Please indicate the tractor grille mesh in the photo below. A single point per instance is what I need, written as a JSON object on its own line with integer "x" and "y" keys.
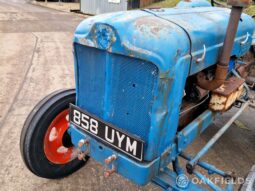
{"x": 116, "y": 88}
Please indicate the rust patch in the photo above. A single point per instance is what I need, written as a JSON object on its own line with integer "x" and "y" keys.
{"x": 151, "y": 25}
{"x": 224, "y": 96}
{"x": 165, "y": 88}
{"x": 131, "y": 49}
{"x": 200, "y": 124}
{"x": 239, "y": 3}
{"x": 250, "y": 81}
{"x": 162, "y": 113}
{"x": 199, "y": 120}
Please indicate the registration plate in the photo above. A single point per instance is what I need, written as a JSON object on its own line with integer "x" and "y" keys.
{"x": 107, "y": 133}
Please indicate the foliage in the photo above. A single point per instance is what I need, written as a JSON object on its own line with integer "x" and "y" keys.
{"x": 165, "y": 3}
{"x": 171, "y": 3}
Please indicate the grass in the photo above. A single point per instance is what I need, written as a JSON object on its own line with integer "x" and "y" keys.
{"x": 172, "y": 3}
{"x": 250, "y": 10}
{"x": 165, "y": 3}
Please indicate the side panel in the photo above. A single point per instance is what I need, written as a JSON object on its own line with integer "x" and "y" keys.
{"x": 206, "y": 27}
{"x": 165, "y": 114}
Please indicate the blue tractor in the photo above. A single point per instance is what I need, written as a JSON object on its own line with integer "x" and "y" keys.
{"x": 148, "y": 82}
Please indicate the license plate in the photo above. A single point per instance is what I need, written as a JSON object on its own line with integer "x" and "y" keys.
{"x": 107, "y": 133}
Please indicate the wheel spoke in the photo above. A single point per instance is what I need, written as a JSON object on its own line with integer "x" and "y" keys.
{"x": 62, "y": 149}
{"x": 54, "y": 149}
{"x": 53, "y": 134}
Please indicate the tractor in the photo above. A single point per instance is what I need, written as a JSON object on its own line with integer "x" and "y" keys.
{"x": 147, "y": 83}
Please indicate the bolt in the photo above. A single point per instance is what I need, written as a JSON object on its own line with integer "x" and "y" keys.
{"x": 108, "y": 173}
{"x": 82, "y": 155}
{"x": 110, "y": 159}
{"x": 82, "y": 142}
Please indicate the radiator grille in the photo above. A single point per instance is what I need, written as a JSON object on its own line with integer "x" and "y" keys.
{"x": 116, "y": 88}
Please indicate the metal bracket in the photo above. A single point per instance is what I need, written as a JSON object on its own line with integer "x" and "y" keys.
{"x": 108, "y": 161}
{"x": 246, "y": 39}
{"x": 83, "y": 154}
{"x": 203, "y": 56}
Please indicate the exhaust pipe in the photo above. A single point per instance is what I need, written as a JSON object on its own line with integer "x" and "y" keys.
{"x": 222, "y": 65}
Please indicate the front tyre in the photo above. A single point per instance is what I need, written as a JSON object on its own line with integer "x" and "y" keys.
{"x": 45, "y": 145}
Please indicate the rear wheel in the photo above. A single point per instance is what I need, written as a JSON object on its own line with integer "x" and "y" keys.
{"x": 45, "y": 144}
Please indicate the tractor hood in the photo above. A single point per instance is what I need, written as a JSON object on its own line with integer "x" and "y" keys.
{"x": 137, "y": 34}
{"x": 164, "y": 36}
{"x": 206, "y": 28}
{"x": 113, "y": 51}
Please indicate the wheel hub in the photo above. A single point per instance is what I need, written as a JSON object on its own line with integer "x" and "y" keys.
{"x": 55, "y": 149}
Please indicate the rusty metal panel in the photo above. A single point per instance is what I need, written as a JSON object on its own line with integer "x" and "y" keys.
{"x": 95, "y": 7}
{"x": 224, "y": 96}
{"x": 206, "y": 46}
{"x": 239, "y": 3}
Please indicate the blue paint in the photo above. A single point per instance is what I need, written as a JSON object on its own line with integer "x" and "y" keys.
{"x": 167, "y": 68}
{"x": 207, "y": 181}
{"x": 114, "y": 81}
{"x": 139, "y": 173}
{"x": 231, "y": 65}
{"x": 195, "y": 128}
{"x": 207, "y": 26}
{"x": 167, "y": 181}
{"x": 131, "y": 69}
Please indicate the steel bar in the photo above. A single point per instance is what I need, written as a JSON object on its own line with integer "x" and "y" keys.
{"x": 187, "y": 135}
{"x": 176, "y": 166}
{"x": 222, "y": 65}
{"x": 213, "y": 140}
{"x": 235, "y": 16}
{"x": 210, "y": 168}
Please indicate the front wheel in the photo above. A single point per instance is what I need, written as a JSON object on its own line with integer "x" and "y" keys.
{"x": 45, "y": 144}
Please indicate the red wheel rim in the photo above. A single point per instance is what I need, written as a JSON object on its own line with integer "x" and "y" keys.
{"x": 54, "y": 149}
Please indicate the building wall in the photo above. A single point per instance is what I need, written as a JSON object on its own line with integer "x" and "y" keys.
{"x": 95, "y": 7}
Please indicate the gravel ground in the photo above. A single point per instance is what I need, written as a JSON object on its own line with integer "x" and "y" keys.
{"x": 63, "y": 6}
